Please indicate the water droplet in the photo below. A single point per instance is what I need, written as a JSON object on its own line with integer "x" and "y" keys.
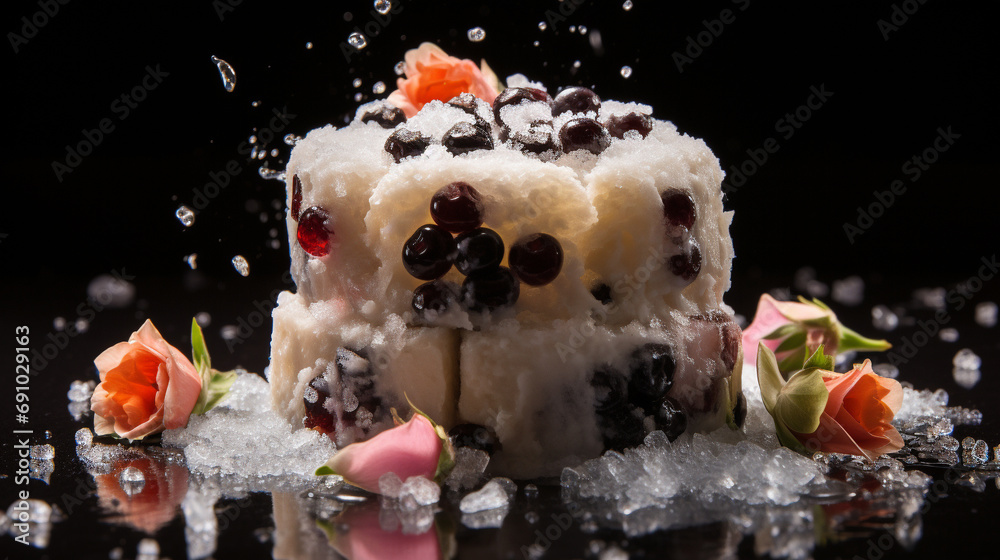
{"x": 59, "y": 323}
{"x": 255, "y": 103}
{"x": 572, "y": 29}
{"x": 82, "y": 325}
{"x": 191, "y": 260}
{"x": 383, "y": 6}
{"x": 477, "y": 34}
{"x": 378, "y": 88}
{"x": 542, "y": 26}
{"x": 229, "y": 332}
{"x": 576, "y": 64}
{"x": 274, "y": 152}
{"x": 227, "y": 73}
{"x": 309, "y": 45}
{"x": 536, "y": 43}
{"x": 626, "y": 71}
{"x": 269, "y": 174}
{"x": 292, "y": 139}
{"x": 185, "y": 215}
{"x": 357, "y": 40}
{"x": 400, "y": 68}
{"x": 131, "y": 480}
{"x": 627, "y": 5}
{"x": 356, "y": 83}
{"x": 358, "y": 97}
{"x": 241, "y": 265}
{"x": 583, "y": 30}
{"x": 203, "y": 318}
{"x": 84, "y": 436}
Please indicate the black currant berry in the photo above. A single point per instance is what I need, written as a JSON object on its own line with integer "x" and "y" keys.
{"x": 538, "y": 137}
{"x": 740, "y": 410}
{"x": 610, "y": 389}
{"x": 618, "y": 125}
{"x": 536, "y": 259}
{"x": 602, "y": 293}
{"x": 670, "y": 418}
{"x": 651, "y": 374}
{"x": 479, "y": 250}
{"x": 575, "y": 100}
{"x": 475, "y": 437}
{"x": 386, "y": 116}
{"x": 434, "y": 298}
{"x": 428, "y": 253}
{"x": 406, "y": 143}
{"x": 686, "y": 266}
{"x": 622, "y": 427}
{"x": 678, "y": 212}
{"x": 584, "y": 134}
{"x": 490, "y": 289}
{"x": 466, "y": 102}
{"x": 296, "y": 197}
{"x": 514, "y": 96}
{"x": 317, "y": 416}
{"x": 457, "y": 207}
{"x": 466, "y": 137}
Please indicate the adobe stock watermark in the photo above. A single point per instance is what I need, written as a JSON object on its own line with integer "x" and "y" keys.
{"x": 225, "y": 7}
{"x": 121, "y": 107}
{"x": 566, "y": 9}
{"x": 913, "y": 169}
{"x": 697, "y": 43}
{"x": 32, "y": 24}
{"x": 262, "y": 308}
{"x": 372, "y": 28}
{"x": 786, "y": 126}
{"x": 898, "y": 17}
{"x": 958, "y": 297}
{"x": 202, "y": 196}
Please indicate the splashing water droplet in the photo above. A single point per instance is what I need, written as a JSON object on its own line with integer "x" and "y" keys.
{"x": 192, "y": 260}
{"x": 356, "y": 83}
{"x": 185, "y": 215}
{"x": 542, "y": 26}
{"x": 378, "y": 88}
{"x": 383, "y": 6}
{"x": 583, "y": 30}
{"x": 627, "y": 5}
{"x": 357, "y": 40}
{"x": 536, "y": 43}
{"x": 358, "y": 97}
{"x": 266, "y": 172}
{"x": 576, "y": 64}
{"x": 241, "y": 265}
{"x": 309, "y": 45}
{"x": 626, "y": 71}
{"x": 399, "y": 68}
{"x": 227, "y": 73}
{"x": 477, "y": 34}
{"x": 255, "y": 103}
{"x": 572, "y": 29}
{"x": 292, "y": 139}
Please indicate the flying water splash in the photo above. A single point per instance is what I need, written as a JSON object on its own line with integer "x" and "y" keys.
{"x": 227, "y": 73}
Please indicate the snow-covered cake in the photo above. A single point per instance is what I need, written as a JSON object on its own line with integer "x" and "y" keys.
{"x": 549, "y": 268}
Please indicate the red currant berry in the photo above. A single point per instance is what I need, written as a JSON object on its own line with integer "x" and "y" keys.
{"x": 314, "y": 231}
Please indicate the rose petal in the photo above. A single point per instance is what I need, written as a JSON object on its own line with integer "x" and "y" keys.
{"x": 182, "y": 392}
{"x": 366, "y": 540}
{"x": 765, "y": 320}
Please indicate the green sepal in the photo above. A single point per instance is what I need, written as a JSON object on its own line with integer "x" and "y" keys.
{"x": 787, "y": 329}
{"x": 768, "y": 377}
{"x": 788, "y": 440}
{"x": 215, "y": 384}
{"x": 792, "y": 362}
{"x": 324, "y": 471}
{"x": 801, "y": 401}
{"x": 850, "y": 340}
{"x": 819, "y": 359}
{"x": 792, "y": 342}
{"x": 815, "y": 302}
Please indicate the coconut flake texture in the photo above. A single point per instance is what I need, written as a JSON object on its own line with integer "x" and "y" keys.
{"x": 242, "y": 439}
{"x": 525, "y": 370}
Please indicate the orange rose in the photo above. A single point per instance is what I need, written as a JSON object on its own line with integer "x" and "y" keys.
{"x": 432, "y": 74}
{"x": 858, "y": 415}
{"x": 146, "y": 386}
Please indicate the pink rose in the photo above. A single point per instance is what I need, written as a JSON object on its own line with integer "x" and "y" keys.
{"x": 365, "y": 539}
{"x": 146, "y": 386}
{"x": 411, "y": 449}
{"x": 432, "y": 74}
{"x": 858, "y": 415}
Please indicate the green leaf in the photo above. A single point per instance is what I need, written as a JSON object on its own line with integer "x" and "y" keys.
{"x": 850, "y": 340}
{"x": 324, "y": 471}
{"x": 787, "y": 439}
{"x": 792, "y": 342}
{"x": 199, "y": 352}
{"x": 819, "y": 359}
{"x": 215, "y": 386}
{"x": 768, "y": 376}
{"x": 783, "y": 331}
{"x": 801, "y": 401}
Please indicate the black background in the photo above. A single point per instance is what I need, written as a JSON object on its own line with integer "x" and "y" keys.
{"x": 115, "y": 210}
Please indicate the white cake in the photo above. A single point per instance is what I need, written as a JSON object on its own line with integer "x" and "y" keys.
{"x": 558, "y": 371}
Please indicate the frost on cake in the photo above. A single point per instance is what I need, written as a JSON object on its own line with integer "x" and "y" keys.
{"x": 551, "y": 268}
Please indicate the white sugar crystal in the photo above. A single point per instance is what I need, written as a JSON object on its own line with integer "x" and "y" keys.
{"x": 131, "y": 480}
{"x": 201, "y": 526}
{"x": 520, "y": 80}
{"x": 42, "y": 452}
{"x": 966, "y": 359}
{"x": 241, "y": 265}
{"x": 244, "y": 441}
{"x": 508, "y": 485}
{"x": 986, "y": 314}
{"x": 849, "y": 291}
{"x": 80, "y": 391}
{"x": 185, "y": 215}
{"x": 486, "y": 519}
{"x": 389, "y": 485}
{"x": 148, "y": 549}
{"x": 84, "y": 436}
{"x": 884, "y": 319}
{"x": 418, "y": 491}
{"x": 435, "y": 118}
{"x": 520, "y": 116}
{"x": 491, "y": 496}
{"x": 469, "y": 467}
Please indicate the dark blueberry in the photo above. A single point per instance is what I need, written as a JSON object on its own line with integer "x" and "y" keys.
{"x": 575, "y": 100}
{"x": 732, "y": 337}
{"x": 686, "y": 266}
{"x": 584, "y": 134}
{"x": 618, "y": 125}
{"x": 490, "y": 290}
{"x": 466, "y": 137}
{"x": 317, "y": 416}
{"x": 536, "y": 259}
{"x": 476, "y": 437}
{"x": 670, "y": 418}
{"x": 435, "y": 297}
{"x": 428, "y": 253}
{"x": 296, "y": 197}
{"x": 514, "y": 96}
{"x": 479, "y": 250}
{"x": 466, "y": 102}
{"x": 602, "y": 293}
{"x": 386, "y": 116}
{"x": 651, "y": 374}
{"x": 610, "y": 389}
{"x": 457, "y": 207}
{"x": 740, "y": 410}
{"x": 538, "y": 138}
{"x": 678, "y": 212}
{"x": 622, "y": 428}
{"x": 406, "y": 143}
